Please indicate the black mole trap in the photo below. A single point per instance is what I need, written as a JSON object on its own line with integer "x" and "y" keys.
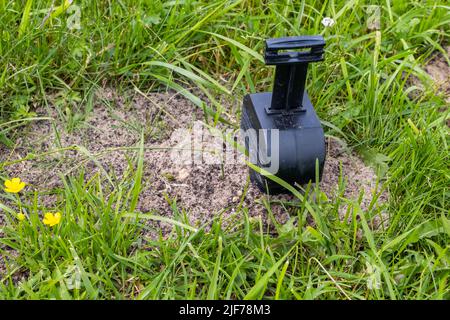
{"x": 281, "y": 130}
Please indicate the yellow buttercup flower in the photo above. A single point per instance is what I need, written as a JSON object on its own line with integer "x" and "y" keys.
{"x": 51, "y": 219}
{"x": 20, "y": 216}
{"x": 14, "y": 185}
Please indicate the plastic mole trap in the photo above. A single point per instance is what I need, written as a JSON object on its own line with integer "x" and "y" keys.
{"x": 282, "y": 132}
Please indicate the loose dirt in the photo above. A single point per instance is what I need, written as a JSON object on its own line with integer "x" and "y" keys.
{"x": 439, "y": 71}
{"x": 200, "y": 189}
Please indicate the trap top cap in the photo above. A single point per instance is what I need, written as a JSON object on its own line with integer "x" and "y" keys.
{"x": 314, "y": 43}
{"x": 291, "y": 69}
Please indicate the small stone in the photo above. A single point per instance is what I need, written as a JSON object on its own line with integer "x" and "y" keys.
{"x": 183, "y": 174}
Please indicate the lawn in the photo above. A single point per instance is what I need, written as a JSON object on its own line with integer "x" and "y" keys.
{"x": 92, "y": 91}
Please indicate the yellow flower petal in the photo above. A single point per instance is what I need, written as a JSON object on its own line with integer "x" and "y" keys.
{"x": 47, "y": 218}
{"x": 51, "y": 219}
{"x": 21, "y": 217}
{"x": 14, "y": 185}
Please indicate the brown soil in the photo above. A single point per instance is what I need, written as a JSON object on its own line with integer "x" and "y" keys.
{"x": 439, "y": 71}
{"x": 202, "y": 190}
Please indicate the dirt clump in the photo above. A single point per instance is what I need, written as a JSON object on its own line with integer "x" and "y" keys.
{"x": 439, "y": 71}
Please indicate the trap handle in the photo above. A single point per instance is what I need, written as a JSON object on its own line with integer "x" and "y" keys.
{"x": 291, "y": 69}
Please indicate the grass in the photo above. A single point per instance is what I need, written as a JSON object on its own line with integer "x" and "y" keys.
{"x": 361, "y": 90}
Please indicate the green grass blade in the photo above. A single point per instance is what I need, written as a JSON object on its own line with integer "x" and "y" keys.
{"x": 25, "y": 18}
